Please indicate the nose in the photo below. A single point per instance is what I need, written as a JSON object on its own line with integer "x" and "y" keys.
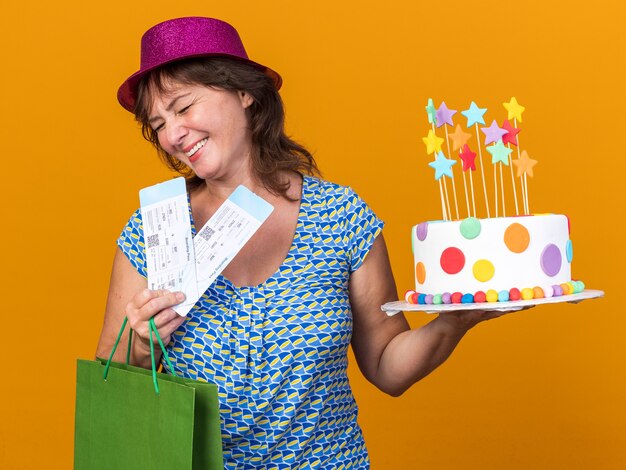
{"x": 175, "y": 132}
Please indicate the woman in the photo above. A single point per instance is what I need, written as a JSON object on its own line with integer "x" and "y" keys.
{"x": 274, "y": 329}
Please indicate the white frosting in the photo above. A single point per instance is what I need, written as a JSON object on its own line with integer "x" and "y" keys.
{"x": 512, "y": 269}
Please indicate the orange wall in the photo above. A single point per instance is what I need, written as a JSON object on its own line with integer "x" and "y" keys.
{"x": 539, "y": 389}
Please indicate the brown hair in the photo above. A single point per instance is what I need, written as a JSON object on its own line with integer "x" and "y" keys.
{"x": 273, "y": 150}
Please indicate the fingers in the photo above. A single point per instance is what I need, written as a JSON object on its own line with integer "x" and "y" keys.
{"x": 155, "y": 304}
{"x": 467, "y": 319}
{"x": 167, "y": 322}
{"x": 483, "y": 315}
{"x": 149, "y": 302}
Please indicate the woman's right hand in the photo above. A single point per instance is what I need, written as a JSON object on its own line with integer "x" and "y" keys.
{"x": 129, "y": 297}
{"x": 156, "y": 304}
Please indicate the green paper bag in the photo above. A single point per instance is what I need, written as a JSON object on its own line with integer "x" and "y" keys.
{"x": 133, "y": 418}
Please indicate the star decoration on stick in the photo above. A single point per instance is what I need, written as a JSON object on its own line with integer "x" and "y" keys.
{"x": 499, "y": 153}
{"x": 444, "y": 115}
{"x": 442, "y": 165}
{"x": 511, "y": 133}
{"x": 459, "y": 138}
{"x": 515, "y": 109}
{"x": 433, "y": 143}
{"x": 524, "y": 164}
{"x": 493, "y": 133}
{"x": 474, "y": 114}
{"x": 431, "y": 112}
{"x": 469, "y": 158}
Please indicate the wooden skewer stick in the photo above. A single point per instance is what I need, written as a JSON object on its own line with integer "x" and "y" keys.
{"x": 482, "y": 171}
{"x": 502, "y": 189}
{"x": 456, "y": 204}
{"x": 495, "y": 187}
{"x": 469, "y": 213}
{"x": 445, "y": 188}
{"x": 472, "y": 187}
{"x": 441, "y": 185}
{"x": 513, "y": 181}
{"x": 443, "y": 205}
{"x": 523, "y": 182}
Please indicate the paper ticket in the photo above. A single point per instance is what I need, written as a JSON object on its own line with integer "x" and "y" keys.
{"x": 224, "y": 235}
{"x": 170, "y": 259}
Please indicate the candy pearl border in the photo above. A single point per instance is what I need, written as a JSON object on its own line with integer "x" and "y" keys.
{"x": 392, "y": 308}
{"x": 491, "y": 296}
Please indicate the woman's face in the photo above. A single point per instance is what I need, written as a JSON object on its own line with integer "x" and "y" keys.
{"x": 205, "y": 128}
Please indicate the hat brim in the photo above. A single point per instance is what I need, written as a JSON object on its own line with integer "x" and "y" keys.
{"x": 127, "y": 93}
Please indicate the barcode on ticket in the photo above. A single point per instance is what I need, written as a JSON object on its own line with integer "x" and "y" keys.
{"x": 206, "y": 233}
{"x": 153, "y": 240}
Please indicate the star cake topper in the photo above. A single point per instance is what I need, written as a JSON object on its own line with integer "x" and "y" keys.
{"x": 474, "y": 114}
{"x": 433, "y": 143}
{"x": 468, "y": 158}
{"x": 499, "y": 153}
{"x": 514, "y": 109}
{"x": 459, "y": 138}
{"x": 444, "y": 115}
{"x": 431, "y": 112}
{"x": 493, "y": 133}
{"x": 524, "y": 164}
{"x": 511, "y": 133}
{"x": 442, "y": 165}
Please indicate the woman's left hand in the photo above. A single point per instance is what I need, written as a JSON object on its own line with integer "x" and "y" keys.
{"x": 463, "y": 320}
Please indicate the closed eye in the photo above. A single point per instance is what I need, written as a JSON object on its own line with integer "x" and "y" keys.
{"x": 184, "y": 110}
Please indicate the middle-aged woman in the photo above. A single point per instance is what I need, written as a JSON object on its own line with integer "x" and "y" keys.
{"x": 273, "y": 330}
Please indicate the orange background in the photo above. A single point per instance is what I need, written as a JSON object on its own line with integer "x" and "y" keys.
{"x": 539, "y": 389}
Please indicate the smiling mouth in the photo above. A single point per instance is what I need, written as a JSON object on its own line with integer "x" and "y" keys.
{"x": 196, "y": 147}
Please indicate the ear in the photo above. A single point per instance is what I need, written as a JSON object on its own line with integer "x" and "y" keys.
{"x": 246, "y": 99}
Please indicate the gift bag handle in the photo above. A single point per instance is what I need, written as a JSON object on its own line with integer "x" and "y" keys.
{"x": 152, "y": 329}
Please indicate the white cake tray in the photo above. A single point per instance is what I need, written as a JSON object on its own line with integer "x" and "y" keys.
{"x": 391, "y": 308}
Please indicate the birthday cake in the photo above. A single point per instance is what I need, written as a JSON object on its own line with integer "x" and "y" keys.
{"x": 497, "y": 258}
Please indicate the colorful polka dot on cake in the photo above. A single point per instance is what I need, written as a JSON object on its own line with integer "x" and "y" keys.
{"x": 470, "y": 228}
{"x": 422, "y": 231}
{"x": 420, "y": 272}
{"x": 551, "y": 260}
{"x": 569, "y": 251}
{"x": 516, "y": 238}
{"x": 452, "y": 260}
{"x": 483, "y": 270}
